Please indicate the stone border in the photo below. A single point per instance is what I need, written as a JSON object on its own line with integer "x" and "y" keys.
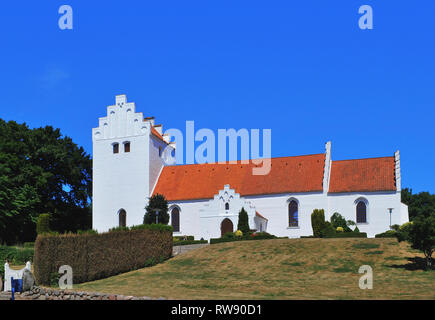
{"x": 40, "y": 293}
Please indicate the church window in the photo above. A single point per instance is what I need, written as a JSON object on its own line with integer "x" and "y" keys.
{"x": 175, "y": 219}
{"x": 227, "y": 206}
{"x": 160, "y": 151}
{"x": 361, "y": 212}
{"x": 127, "y": 147}
{"x": 293, "y": 218}
{"x": 115, "y": 148}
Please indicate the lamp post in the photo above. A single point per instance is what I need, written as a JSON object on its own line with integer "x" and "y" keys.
{"x": 157, "y": 214}
{"x": 390, "y": 210}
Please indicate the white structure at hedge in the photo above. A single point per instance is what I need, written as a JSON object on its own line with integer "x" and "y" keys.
{"x": 205, "y": 199}
{"x": 16, "y": 274}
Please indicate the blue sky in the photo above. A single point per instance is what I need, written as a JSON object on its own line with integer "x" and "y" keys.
{"x": 302, "y": 68}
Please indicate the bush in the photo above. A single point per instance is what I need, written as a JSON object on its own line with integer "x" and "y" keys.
{"x": 243, "y": 223}
{"x": 327, "y": 230}
{"x": 339, "y": 229}
{"x": 14, "y": 255}
{"x": 338, "y": 221}
{"x": 387, "y": 234}
{"x": 348, "y": 235}
{"x": 229, "y": 237}
{"x": 96, "y": 256}
{"x": 43, "y": 223}
{"x": 421, "y": 236}
{"x": 186, "y": 242}
{"x": 184, "y": 238}
{"x": 356, "y": 229}
{"x": 317, "y": 221}
{"x": 238, "y": 233}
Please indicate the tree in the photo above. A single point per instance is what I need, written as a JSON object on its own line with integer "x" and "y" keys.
{"x": 41, "y": 171}
{"x": 422, "y": 203}
{"x": 422, "y": 236}
{"x": 317, "y": 221}
{"x": 243, "y": 223}
{"x": 158, "y": 203}
{"x": 43, "y": 223}
{"x": 337, "y": 220}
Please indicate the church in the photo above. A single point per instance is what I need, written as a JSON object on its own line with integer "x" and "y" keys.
{"x": 205, "y": 199}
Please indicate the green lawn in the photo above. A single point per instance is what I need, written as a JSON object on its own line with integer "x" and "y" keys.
{"x": 280, "y": 269}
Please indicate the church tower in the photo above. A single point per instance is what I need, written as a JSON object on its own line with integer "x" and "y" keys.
{"x": 127, "y": 162}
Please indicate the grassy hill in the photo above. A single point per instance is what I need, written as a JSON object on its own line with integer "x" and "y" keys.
{"x": 281, "y": 269}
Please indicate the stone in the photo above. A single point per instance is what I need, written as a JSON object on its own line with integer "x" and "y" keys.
{"x": 112, "y": 297}
{"x": 28, "y": 280}
{"x": 36, "y": 296}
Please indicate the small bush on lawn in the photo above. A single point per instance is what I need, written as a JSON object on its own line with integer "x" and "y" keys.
{"x": 228, "y": 237}
{"x": 176, "y": 238}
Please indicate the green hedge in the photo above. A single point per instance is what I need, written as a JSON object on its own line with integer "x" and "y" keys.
{"x": 95, "y": 256}
{"x": 186, "y": 242}
{"x": 348, "y": 235}
{"x": 254, "y": 236}
{"x": 177, "y": 238}
{"x": 387, "y": 234}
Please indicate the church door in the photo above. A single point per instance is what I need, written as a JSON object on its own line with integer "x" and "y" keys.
{"x": 226, "y": 226}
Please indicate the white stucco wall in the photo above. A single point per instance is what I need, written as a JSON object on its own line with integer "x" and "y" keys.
{"x": 202, "y": 219}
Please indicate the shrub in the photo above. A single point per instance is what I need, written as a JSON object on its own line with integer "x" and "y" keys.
{"x": 387, "y": 234}
{"x": 317, "y": 221}
{"x": 395, "y": 227}
{"x": 238, "y": 233}
{"x": 158, "y": 203}
{"x": 186, "y": 242}
{"x": 356, "y": 229}
{"x": 348, "y": 235}
{"x": 96, "y": 256}
{"x": 243, "y": 223}
{"x": 185, "y": 238}
{"x": 339, "y": 229}
{"x": 327, "y": 230}
{"x": 43, "y": 223}
{"x": 338, "y": 221}
{"x": 421, "y": 236}
{"x": 229, "y": 235}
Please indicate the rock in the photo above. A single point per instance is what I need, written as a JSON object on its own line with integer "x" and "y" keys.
{"x": 36, "y": 296}
{"x": 28, "y": 280}
{"x": 112, "y": 297}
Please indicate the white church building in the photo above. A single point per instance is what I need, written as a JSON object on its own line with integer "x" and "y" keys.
{"x": 205, "y": 199}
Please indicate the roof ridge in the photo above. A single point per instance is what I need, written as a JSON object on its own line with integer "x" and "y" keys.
{"x": 384, "y": 157}
{"x": 239, "y": 161}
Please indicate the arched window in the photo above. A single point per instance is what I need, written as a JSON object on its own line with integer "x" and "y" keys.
{"x": 227, "y": 206}
{"x": 175, "y": 219}
{"x": 122, "y": 218}
{"x": 361, "y": 212}
{"x": 116, "y": 148}
{"x": 160, "y": 151}
{"x": 126, "y": 146}
{"x": 293, "y": 219}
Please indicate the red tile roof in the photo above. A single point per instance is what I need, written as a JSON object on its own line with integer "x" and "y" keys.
{"x": 373, "y": 174}
{"x": 259, "y": 215}
{"x": 203, "y": 181}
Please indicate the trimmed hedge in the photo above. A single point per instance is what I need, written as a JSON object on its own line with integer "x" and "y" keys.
{"x": 186, "y": 242}
{"x": 387, "y": 234}
{"x": 348, "y": 235}
{"x": 96, "y": 256}
{"x": 176, "y": 238}
{"x": 254, "y": 236}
